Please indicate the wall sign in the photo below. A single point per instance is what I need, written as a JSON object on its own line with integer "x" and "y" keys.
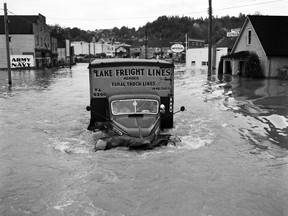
{"x": 22, "y": 61}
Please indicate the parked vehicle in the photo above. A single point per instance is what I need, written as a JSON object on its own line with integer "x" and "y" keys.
{"x": 134, "y": 98}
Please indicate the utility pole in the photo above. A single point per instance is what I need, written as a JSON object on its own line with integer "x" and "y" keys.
{"x": 146, "y": 43}
{"x": 6, "y": 21}
{"x": 186, "y": 42}
{"x": 89, "y": 53}
{"x": 186, "y": 46}
{"x": 93, "y": 40}
{"x": 161, "y": 44}
{"x": 210, "y": 39}
{"x": 70, "y": 57}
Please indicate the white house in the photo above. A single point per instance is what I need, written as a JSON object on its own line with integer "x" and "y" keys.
{"x": 267, "y": 37}
{"x": 197, "y": 58}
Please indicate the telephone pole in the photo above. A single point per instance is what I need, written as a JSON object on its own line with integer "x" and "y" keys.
{"x": 210, "y": 39}
{"x": 146, "y": 43}
{"x": 6, "y": 22}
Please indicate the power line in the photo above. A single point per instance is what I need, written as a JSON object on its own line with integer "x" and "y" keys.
{"x": 248, "y": 5}
{"x": 226, "y": 2}
{"x": 20, "y": 16}
{"x": 155, "y": 16}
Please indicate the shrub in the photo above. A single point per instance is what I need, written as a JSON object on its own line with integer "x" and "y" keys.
{"x": 253, "y": 67}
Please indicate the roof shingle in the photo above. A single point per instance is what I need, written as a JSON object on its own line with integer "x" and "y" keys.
{"x": 19, "y": 24}
{"x": 272, "y": 32}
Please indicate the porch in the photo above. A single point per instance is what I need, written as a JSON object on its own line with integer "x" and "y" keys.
{"x": 234, "y": 64}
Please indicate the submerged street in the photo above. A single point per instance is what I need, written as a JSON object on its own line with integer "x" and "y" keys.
{"x": 230, "y": 157}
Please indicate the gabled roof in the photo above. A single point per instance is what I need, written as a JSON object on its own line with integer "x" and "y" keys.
{"x": 272, "y": 32}
{"x": 226, "y": 42}
{"x": 19, "y": 24}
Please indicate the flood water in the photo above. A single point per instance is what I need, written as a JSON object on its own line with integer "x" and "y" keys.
{"x": 230, "y": 158}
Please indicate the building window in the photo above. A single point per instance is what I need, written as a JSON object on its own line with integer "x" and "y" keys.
{"x": 204, "y": 63}
{"x": 249, "y": 37}
{"x": 193, "y": 63}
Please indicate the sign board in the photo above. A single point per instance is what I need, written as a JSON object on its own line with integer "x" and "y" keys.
{"x": 130, "y": 79}
{"x": 177, "y": 48}
{"x": 234, "y": 32}
{"x": 22, "y": 61}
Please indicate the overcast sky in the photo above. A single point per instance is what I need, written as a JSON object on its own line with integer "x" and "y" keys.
{"x": 105, "y": 14}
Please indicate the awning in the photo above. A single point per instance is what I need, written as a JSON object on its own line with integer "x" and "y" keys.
{"x": 237, "y": 55}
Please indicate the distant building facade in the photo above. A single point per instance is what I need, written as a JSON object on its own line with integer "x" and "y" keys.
{"x": 154, "y": 49}
{"x": 197, "y": 52}
{"x": 197, "y": 58}
{"x": 65, "y": 53}
{"x": 82, "y": 48}
{"x": 195, "y": 43}
{"x": 29, "y": 36}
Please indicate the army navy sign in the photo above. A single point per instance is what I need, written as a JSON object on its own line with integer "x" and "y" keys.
{"x": 177, "y": 48}
{"x": 22, "y": 61}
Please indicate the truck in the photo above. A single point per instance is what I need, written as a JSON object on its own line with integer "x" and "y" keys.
{"x": 133, "y": 99}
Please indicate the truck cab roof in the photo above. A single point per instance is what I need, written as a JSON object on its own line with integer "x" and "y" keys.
{"x": 134, "y": 96}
